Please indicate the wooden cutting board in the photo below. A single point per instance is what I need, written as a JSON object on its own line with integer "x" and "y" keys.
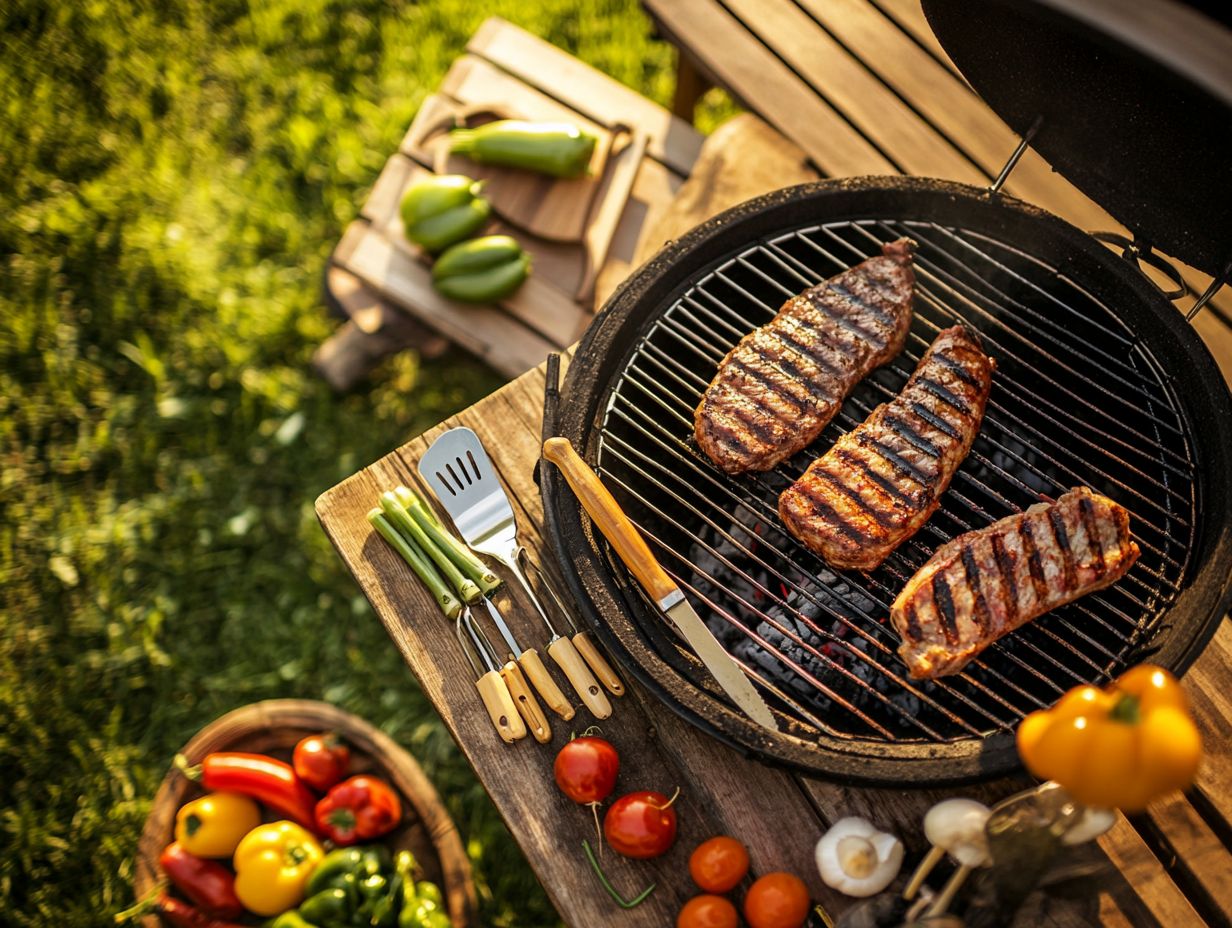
{"x": 552, "y": 208}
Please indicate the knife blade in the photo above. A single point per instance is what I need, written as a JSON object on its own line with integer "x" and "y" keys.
{"x": 633, "y": 550}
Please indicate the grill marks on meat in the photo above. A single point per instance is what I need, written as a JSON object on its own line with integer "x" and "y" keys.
{"x": 783, "y": 383}
{"x": 988, "y": 582}
{"x": 882, "y": 481}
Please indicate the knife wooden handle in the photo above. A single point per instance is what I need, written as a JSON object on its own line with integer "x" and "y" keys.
{"x": 598, "y": 663}
{"x": 610, "y": 518}
{"x": 501, "y": 710}
{"x": 528, "y": 706}
{"x": 567, "y": 658}
{"x": 532, "y": 663}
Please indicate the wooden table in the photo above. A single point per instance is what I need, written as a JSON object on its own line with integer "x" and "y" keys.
{"x": 382, "y": 284}
{"x": 1170, "y": 866}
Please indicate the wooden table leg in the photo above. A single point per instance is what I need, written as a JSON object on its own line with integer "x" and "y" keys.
{"x": 374, "y": 331}
{"x": 691, "y": 83}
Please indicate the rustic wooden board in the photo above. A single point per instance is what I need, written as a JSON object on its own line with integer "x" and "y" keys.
{"x": 589, "y": 92}
{"x": 874, "y": 83}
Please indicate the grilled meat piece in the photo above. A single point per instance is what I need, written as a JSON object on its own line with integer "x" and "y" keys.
{"x": 991, "y": 581}
{"x": 783, "y": 383}
{"x": 883, "y": 479}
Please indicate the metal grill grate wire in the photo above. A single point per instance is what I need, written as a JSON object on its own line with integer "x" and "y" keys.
{"x": 1076, "y": 400}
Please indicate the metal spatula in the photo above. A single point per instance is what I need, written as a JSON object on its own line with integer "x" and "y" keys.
{"x": 459, "y": 472}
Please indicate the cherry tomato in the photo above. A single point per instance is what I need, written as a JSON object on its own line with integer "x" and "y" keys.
{"x": 719, "y": 864}
{"x": 707, "y": 912}
{"x": 321, "y": 760}
{"x": 640, "y": 825}
{"x": 777, "y": 900}
{"x": 586, "y": 769}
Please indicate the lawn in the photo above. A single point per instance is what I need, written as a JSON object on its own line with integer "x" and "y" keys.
{"x": 173, "y": 176}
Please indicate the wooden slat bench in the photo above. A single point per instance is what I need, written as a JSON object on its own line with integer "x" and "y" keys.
{"x": 383, "y": 285}
{"x": 863, "y": 87}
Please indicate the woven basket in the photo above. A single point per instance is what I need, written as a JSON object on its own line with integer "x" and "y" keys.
{"x": 273, "y": 727}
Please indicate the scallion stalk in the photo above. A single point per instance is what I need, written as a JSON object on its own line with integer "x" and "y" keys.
{"x": 411, "y": 530}
{"x": 419, "y": 563}
{"x": 462, "y": 556}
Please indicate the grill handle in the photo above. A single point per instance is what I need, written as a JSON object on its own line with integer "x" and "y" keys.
{"x": 598, "y": 501}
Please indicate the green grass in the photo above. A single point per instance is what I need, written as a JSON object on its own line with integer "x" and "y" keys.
{"x": 172, "y": 178}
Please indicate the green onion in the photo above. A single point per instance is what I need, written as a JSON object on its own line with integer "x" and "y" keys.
{"x": 412, "y": 532}
{"x": 419, "y": 563}
{"x": 454, "y": 549}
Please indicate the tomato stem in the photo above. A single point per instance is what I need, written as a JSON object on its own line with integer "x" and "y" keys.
{"x": 611, "y": 890}
{"x": 594, "y": 807}
{"x": 668, "y": 805}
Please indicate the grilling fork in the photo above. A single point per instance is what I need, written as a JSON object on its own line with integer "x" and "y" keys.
{"x": 492, "y": 689}
{"x": 460, "y": 473}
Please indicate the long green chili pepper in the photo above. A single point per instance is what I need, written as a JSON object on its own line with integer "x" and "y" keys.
{"x": 411, "y": 530}
{"x": 454, "y": 549}
{"x": 611, "y": 890}
{"x": 558, "y": 149}
{"x": 419, "y": 563}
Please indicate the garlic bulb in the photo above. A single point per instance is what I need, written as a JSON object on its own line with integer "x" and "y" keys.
{"x": 857, "y": 859}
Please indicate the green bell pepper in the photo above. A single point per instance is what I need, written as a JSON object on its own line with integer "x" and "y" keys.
{"x": 291, "y": 919}
{"x": 442, "y": 210}
{"x": 481, "y": 270}
{"x": 558, "y": 149}
{"x": 430, "y": 891}
{"x": 328, "y": 907}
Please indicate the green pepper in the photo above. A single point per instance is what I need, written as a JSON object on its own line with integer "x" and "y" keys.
{"x": 385, "y": 910}
{"x": 376, "y": 859}
{"x": 481, "y": 270}
{"x": 334, "y": 866}
{"x": 291, "y": 919}
{"x": 441, "y": 210}
{"x": 328, "y": 907}
{"x": 423, "y": 914}
{"x": 429, "y": 891}
{"x": 558, "y": 149}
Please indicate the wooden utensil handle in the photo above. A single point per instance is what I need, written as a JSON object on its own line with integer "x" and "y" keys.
{"x": 532, "y": 663}
{"x": 567, "y": 658}
{"x": 598, "y": 663}
{"x": 501, "y": 710}
{"x": 528, "y": 706}
{"x": 610, "y": 518}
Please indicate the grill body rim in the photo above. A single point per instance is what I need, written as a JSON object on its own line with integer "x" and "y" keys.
{"x": 606, "y": 594}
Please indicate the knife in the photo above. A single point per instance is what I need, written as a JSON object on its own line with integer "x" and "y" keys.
{"x": 633, "y": 550}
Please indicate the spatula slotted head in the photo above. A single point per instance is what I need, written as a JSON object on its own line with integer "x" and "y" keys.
{"x": 460, "y": 473}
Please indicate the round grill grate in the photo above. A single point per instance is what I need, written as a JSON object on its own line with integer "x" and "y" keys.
{"x": 1076, "y": 400}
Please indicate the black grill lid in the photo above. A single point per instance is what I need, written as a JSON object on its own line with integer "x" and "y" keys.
{"x": 1134, "y": 102}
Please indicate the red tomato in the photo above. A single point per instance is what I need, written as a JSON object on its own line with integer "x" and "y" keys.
{"x": 777, "y": 900}
{"x": 586, "y": 769}
{"x": 641, "y": 825}
{"x": 321, "y": 760}
{"x": 707, "y": 912}
{"x": 719, "y": 864}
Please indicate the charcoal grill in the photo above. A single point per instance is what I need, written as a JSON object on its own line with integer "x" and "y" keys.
{"x": 1100, "y": 382}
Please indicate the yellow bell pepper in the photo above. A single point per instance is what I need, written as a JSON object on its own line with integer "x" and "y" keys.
{"x": 272, "y": 865}
{"x": 213, "y": 825}
{"x": 1118, "y": 747}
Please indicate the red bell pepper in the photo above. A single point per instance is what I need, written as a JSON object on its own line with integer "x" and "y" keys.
{"x": 263, "y": 778}
{"x": 182, "y": 915}
{"x": 358, "y": 809}
{"x": 207, "y": 883}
